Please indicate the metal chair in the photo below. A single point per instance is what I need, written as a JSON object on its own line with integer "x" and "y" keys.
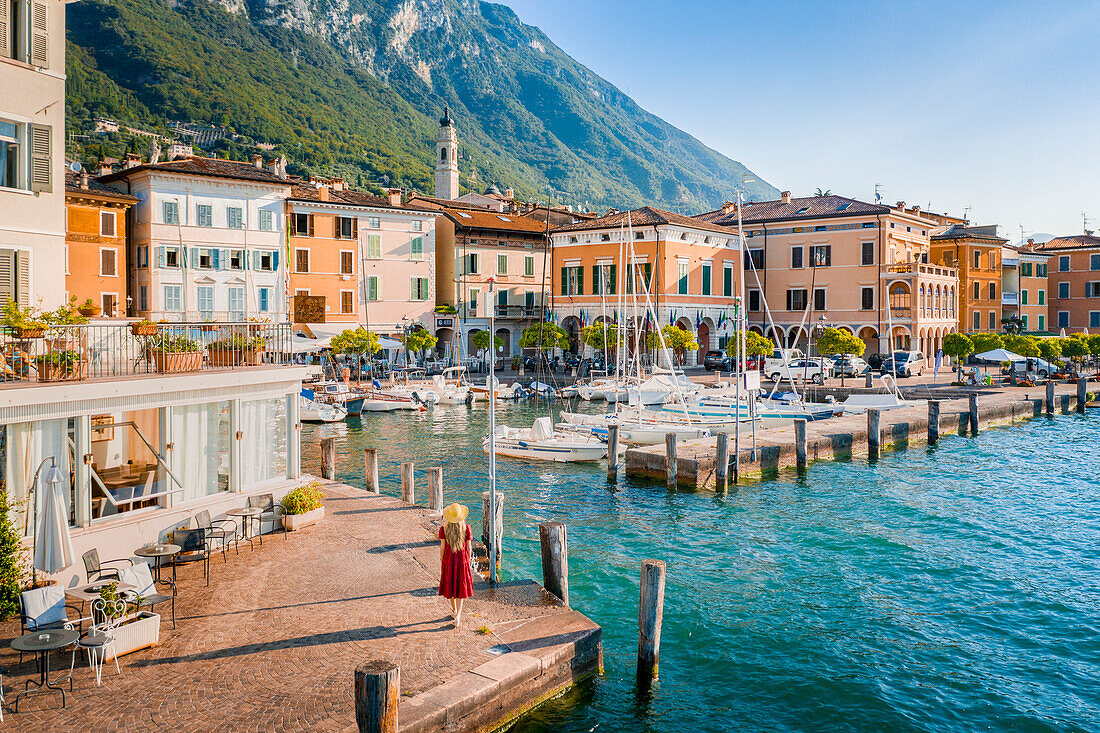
{"x": 141, "y": 578}
{"x": 100, "y": 639}
{"x": 270, "y": 512}
{"x": 93, "y": 566}
{"x": 193, "y": 548}
{"x": 221, "y": 529}
{"x": 41, "y": 609}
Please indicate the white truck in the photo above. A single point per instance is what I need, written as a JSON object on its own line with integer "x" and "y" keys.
{"x": 774, "y": 363}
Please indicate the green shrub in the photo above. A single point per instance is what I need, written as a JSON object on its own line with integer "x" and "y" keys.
{"x": 304, "y": 499}
{"x": 13, "y": 569}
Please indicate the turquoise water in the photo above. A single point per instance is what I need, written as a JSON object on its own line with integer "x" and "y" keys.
{"x": 946, "y": 589}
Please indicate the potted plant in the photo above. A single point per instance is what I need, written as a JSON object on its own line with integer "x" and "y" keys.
{"x": 303, "y": 506}
{"x": 175, "y": 353}
{"x": 256, "y": 324}
{"x": 62, "y": 336}
{"x": 143, "y": 328}
{"x": 235, "y": 348}
{"x": 61, "y": 366}
{"x": 26, "y": 321}
{"x": 89, "y": 308}
{"x": 137, "y": 630}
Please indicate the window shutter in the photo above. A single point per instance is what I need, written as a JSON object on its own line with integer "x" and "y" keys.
{"x": 564, "y": 281}
{"x": 215, "y": 258}
{"x": 613, "y": 277}
{"x": 275, "y": 254}
{"x": 162, "y": 257}
{"x": 41, "y": 167}
{"x": 355, "y": 227}
{"x": 40, "y": 35}
{"x": 580, "y": 281}
{"x": 23, "y": 277}
{"x": 310, "y": 224}
{"x": 5, "y": 38}
{"x": 7, "y": 268}
{"x": 412, "y": 289}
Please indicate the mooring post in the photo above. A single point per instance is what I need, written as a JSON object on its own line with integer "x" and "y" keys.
{"x": 1050, "y": 398}
{"x": 612, "y": 452}
{"x": 800, "y": 444}
{"x": 328, "y": 458}
{"x": 435, "y": 489}
{"x": 651, "y": 611}
{"x": 933, "y": 422}
{"x": 377, "y": 691}
{"x": 870, "y": 380}
{"x": 555, "y": 559}
{"x": 973, "y": 414}
{"x": 670, "y": 459}
{"x": 485, "y": 514}
{"x": 370, "y": 466}
{"x": 874, "y": 437}
{"x": 1082, "y": 395}
{"x": 408, "y": 491}
{"x": 722, "y": 462}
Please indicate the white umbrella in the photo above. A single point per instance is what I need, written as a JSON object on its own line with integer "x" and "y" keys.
{"x": 1062, "y": 333}
{"x": 301, "y": 345}
{"x": 999, "y": 355}
{"x": 53, "y": 547}
{"x": 1084, "y": 332}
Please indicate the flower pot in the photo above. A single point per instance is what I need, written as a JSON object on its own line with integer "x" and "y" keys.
{"x": 209, "y": 328}
{"x": 180, "y": 361}
{"x": 89, "y": 312}
{"x": 234, "y": 357}
{"x": 144, "y": 329}
{"x": 141, "y": 631}
{"x": 66, "y": 372}
{"x": 297, "y": 521}
{"x": 30, "y": 333}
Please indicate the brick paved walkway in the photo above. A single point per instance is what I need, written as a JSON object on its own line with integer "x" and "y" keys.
{"x": 271, "y": 645}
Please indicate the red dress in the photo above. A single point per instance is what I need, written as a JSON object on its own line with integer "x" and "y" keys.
{"x": 455, "y": 580}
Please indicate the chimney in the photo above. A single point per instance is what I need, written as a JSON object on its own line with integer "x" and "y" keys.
{"x": 900, "y": 205}
{"x": 133, "y": 160}
{"x": 338, "y": 184}
{"x": 84, "y": 180}
{"x": 916, "y": 210}
{"x": 728, "y": 207}
{"x": 273, "y": 167}
{"x": 785, "y": 197}
{"x": 105, "y": 169}
{"x": 322, "y": 192}
{"x": 258, "y": 161}
{"x": 394, "y": 196}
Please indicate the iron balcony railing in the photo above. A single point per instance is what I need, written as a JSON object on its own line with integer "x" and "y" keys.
{"x": 74, "y": 353}
{"x": 517, "y": 311}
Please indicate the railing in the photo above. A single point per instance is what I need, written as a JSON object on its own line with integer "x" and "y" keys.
{"x": 910, "y": 268}
{"x": 517, "y": 311}
{"x": 117, "y": 350}
{"x": 1008, "y": 298}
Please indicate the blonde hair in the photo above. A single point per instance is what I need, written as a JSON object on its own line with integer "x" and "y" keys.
{"x": 454, "y": 533}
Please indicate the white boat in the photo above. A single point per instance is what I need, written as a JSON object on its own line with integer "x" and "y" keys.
{"x": 595, "y": 389}
{"x": 631, "y": 431}
{"x": 312, "y": 411}
{"x": 513, "y": 391}
{"x": 338, "y": 393}
{"x": 375, "y": 400}
{"x": 891, "y": 399}
{"x": 541, "y": 442}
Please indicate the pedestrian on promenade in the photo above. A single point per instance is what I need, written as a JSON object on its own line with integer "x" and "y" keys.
{"x": 456, "y": 582}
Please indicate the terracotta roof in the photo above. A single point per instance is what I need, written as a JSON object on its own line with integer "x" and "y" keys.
{"x": 72, "y": 185}
{"x": 482, "y": 219}
{"x": 810, "y": 207}
{"x": 197, "y": 166}
{"x": 304, "y": 192}
{"x": 1076, "y": 241}
{"x": 449, "y": 203}
{"x": 645, "y": 216}
{"x": 959, "y": 232}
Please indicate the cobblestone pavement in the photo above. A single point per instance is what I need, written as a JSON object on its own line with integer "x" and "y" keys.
{"x": 272, "y": 644}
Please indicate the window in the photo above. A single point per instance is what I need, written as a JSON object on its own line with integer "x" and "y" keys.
{"x": 140, "y": 256}
{"x": 1042, "y": 322}
{"x": 1023, "y": 322}
{"x": 171, "y": 257}
{"x": 472, "y": 263}
{"x": 108, "y": 262}
{"x": 977, "y": 290}
{"x": 1092, "y": 290}
{"x": 373, "y": 289}
{"x": 605, "y": 237}
{"x": 502, "y": 264}
{"x": 205, "y": 300}
{"x": 867, "y": 299}
{"x": 1042, "y": 297}
{"x": 796, "y": 299}
{"x": 1023, "y": 297}
{"x": 264, "y": 297}
{"x": 1041, "y": 270}
{"x": 706, "y": 278}
{"x": 821, "y": 255}
{"x": 347, "y": 301}
{"x": 1094, "y": 262}
{"x": 640, "y": 274}
{"x": 171, "y": 212}
{"x": 992, "y": 321}
{"x": 236, "y": 259}
{"x": 819, "y": 299}
{"x": 11, "y": 166}
{"x": 754, "y": 300}
{"x": 604, "y": 279}
{"x": 1063, "y": 290}
{"x": 373, "y": 222}
{"x": 418, "y": 226}
{"x": 682, "y": 278}
{"x": 417, "y": 248}
{"x": 1094, "y": 319}
{"x": 234, "y": 217}
{"x": 1025, "y": 269}
{"x": 204, "y": 215}
{"x": 374, "y": 246}
{"x": 472, "y": 306}
{"x": 173, "y": 298}
{"x": 143, "y": 297}
{"x": 727, "y": 279}
{"x": 977, "y": 260}
{"x": 301, "y": 260}
{"x": 303, "y": 225}
{"x": 819, "y": 228}
{"x": 1063, "y": 319}
{"x": 977, "y": 321}
{"x": 992, "y": 291}
{"x": 639, "y": 235}
{"x": 236, "y": 303}
{"x": 867, "y": 253}
{"x": 345, "y": 227}
{"x": 347, "y": 264}
{"x": 107, "y": 223}
{"x": 267, "y": 221}
{"x": 502, "y": 297}
{"x": 1063, "y": 263}
{"x": 755, "y": 260}
{"x": 267, "y": 261}
{"x": 528, "y": 266}
{"x": 796, "y": 258}
{"x": 572, "y": 280}
{"x": 205, "y": 259}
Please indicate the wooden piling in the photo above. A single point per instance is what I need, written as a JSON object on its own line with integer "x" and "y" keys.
{"x": 612, "y": 452}
{"x": 933, "y": 422}
{"x": 435, "y": 489}
{"x": 377, "y": 692}
{"x": 499, "y": 522}
{"x": 651, "y": 611}
{"x": 1082, "y": 394}
{"x": 408, "y": 490}
{"x": 1050, "y": 398}
{"x": 870, "y": 380}
{"x": 722, "y": 462}
{"x": 973, "y": 410}
{"x": 328, "y": 458}
{"x": 370, "y": 468}
{"x": 874, "y": 436}
{"x": 800, "y": 444}
{"x": 555, "y": 559}
{"x": 670, "y": 459}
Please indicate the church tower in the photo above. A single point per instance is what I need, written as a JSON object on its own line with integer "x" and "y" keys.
{"x": 446, "y": 158}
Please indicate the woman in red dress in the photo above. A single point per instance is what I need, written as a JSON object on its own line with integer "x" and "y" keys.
{"x": 456, "y": 583}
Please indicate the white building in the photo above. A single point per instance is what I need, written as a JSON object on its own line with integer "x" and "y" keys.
{"x": 207, "y": 240}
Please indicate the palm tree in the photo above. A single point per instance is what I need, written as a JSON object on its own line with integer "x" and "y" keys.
{"x": 826, "y": 192}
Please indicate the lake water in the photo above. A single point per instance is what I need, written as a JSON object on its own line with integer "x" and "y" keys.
{"x": 946, "y": 589}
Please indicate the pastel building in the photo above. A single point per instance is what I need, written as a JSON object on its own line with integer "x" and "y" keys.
{"x": 1073, "y": 272}
{"x": 96, "y": 261}
{"x": 208, "y": 239}
{"x": 975, "y": 251}
{"x": 1024, "y": 288}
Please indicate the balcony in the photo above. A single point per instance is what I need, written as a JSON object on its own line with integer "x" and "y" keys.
{"x": 518, "y": 312}
{"x": 97, "y": 351}
{"x": 919, "y": 268}
{"x": 1010, "y": 298}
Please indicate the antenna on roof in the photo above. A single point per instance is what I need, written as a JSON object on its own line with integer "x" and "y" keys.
{"x": 966, "y": 213}
{"x": 878, "y": 196}
{"x": 1085, "y": 223}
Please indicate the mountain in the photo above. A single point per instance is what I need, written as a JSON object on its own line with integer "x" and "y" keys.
{"x": 355, "y": 87}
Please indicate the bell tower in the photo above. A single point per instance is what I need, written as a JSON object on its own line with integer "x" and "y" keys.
{"x": 446, "y": 158}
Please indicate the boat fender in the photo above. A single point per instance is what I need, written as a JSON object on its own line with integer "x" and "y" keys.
{"x": 521, "y": 444}
{"x": 469, "y": 398}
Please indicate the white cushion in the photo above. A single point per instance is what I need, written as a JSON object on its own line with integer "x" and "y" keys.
{"x": 139, "y": 577}
{"x": 44, "y": 606}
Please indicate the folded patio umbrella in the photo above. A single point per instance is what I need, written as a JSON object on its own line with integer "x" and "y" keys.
{"x": 53, "y": 550}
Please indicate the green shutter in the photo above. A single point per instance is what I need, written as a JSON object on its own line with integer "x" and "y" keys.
{"x": 596, "y": 282}
{"x": 614, "y": 278}
{"x": 580, "y": 280}
{"x": 564, "y": 280}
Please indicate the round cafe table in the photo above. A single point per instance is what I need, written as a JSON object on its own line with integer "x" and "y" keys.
{"x": 157, "y": 552}
{"x": 41, "y": 643}
{"x": 248, "y": 514}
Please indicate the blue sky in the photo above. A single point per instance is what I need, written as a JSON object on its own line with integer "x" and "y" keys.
{"x": 993, "y": 106}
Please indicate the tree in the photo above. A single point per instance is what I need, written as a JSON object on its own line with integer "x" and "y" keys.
{"x": 1075, "y": 347}
{"x": 601, "y": 335}
{"x": 480, "y": 340}
{"x": 986, "y": 342}
{"x": 755, "y": 345}
{"x": 544, "y": 336}
{"x": 840, "y": 341}
{"x": 1050, "y": 348}
{"x": 1022, "y": 345}
{"x": 827, "y": 192}
{"x": 418, "y": 340}
{"x": 13, "y": 569}
{"x": 958, "y": 346}
{"x": 357, "y": 341}
{"x": 676, "y": 339}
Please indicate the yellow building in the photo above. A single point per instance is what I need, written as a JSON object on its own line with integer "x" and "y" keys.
{"x": 976, "y": 253}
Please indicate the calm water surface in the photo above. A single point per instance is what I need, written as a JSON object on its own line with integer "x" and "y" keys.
{"x": 951, "y": 589}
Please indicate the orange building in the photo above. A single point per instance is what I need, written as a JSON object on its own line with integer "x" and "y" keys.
{"x": 95, "y": 243}
{"x": 976, "y": 253}
{"x": 1073, "y": 272}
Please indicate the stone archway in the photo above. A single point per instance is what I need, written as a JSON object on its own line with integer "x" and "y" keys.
{"x": 504, "y": 349}
{"x": 869, "y": 336}
{"x": 572, "y": 327}
{"x": 703, "y": 336}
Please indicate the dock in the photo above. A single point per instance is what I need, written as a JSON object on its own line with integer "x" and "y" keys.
{"x": 845, "y": 437}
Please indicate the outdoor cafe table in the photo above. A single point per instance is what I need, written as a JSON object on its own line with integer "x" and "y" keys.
{"x": 42, "y": 643}
{"x": 157, "y": 552}
{"x": 247, "y": 514}
{"x": 90, "y": 592}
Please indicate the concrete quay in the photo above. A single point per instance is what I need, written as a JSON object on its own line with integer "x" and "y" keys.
{"x": 844, "y": 437}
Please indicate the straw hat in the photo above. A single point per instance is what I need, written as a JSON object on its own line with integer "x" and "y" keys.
{"x": 455, "y": 513}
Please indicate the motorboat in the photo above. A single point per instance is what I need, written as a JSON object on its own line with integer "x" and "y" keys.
{"x": 375, "y": 400}
{"x": 339, "y": 393}
{"x": 632, "y": 430}
{"x": 541, "y": 442}
{"x": 890, "y": 399}
{"x": 510, "y": 392}
{"x": 310, "y": 410}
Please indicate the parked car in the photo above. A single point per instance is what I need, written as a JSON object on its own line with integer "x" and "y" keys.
{"x": 903, "y": 364}
{"x": 814, "y": 370}
{"x": 849, "y": 366}
{"x": 717, "y": 361}
{"x": 1039, "y": 367}
{"x": 774, "y": 363}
